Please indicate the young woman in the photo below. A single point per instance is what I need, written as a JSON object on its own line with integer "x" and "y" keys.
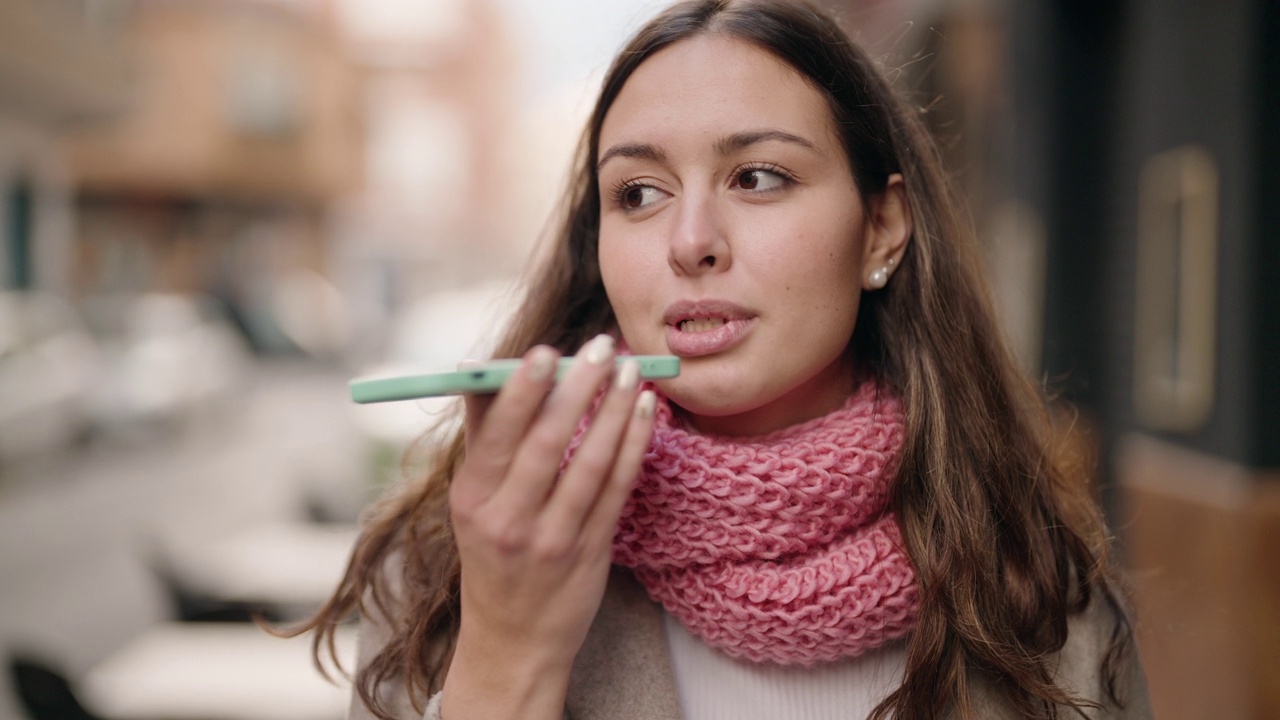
{"x": 848, "y": 504}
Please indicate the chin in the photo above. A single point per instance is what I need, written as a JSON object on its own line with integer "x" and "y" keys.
{"x": 719, "y": 397}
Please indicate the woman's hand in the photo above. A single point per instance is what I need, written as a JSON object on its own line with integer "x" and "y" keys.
{"x": 535, "y": 544}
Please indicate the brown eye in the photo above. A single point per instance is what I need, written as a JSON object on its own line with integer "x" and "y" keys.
{"x": 638, "y": 196}
{"x": 760, "y": 180}
{"x": 633, "y": 197}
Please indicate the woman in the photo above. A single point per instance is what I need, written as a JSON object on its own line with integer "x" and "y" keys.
{"x": 849, "y": 503}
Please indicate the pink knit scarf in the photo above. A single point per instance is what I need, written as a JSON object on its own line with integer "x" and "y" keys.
{"x": 779, "y": 548}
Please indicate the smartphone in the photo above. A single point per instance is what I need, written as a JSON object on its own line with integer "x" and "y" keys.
{"x": 483, "y": 378}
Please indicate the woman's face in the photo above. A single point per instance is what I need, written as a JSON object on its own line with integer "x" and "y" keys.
{"x": 732, "y": 234}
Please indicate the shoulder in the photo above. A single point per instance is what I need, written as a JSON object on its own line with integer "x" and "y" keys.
{"x": 1079, "y": 669}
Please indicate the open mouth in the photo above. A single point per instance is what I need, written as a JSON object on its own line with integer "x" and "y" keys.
{"x": 706, "y": 326}
{"x": 695, "y": 337}
{"x": 697, "y": 325}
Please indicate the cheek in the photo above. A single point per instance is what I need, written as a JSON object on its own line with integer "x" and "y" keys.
{"x": 822, "y": 281}
{"x": 609, "y": 260}
{"x": 611, "y": 263}
{"x": 630, "y": 262}
{"x": 824, "y": 272}
{"x": 624, "y": 283}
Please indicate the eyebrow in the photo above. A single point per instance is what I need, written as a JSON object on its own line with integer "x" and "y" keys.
{"x": 724, "y": 146}
{"x": 644, "y": 151}
{"x": 738, "y": 141}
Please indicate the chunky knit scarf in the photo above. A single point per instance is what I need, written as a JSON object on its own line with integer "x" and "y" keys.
{"x": 779, "y": 548}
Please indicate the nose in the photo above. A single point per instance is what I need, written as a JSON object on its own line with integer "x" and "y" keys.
{"x": 699, "y": 239}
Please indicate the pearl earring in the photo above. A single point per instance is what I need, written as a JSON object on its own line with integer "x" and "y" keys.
{"x": 879, "y": 278}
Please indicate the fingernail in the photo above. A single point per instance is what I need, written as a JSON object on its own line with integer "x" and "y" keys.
{"x": 629, "y": 375}
{"x": 599, "y": 349}
{"x": 541, "y": 363}
{"x": 645, "y": 405}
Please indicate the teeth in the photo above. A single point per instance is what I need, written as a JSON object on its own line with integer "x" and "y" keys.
{"x": 700, "y": 325}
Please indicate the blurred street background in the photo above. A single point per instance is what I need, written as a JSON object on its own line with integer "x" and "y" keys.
{"x": 213, "y": 213}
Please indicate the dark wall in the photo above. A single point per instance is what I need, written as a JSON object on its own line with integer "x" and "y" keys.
{"x": 1101, "y": 87}
{"x": 1266, "y": 171}
{"x": 1063, "y": 92}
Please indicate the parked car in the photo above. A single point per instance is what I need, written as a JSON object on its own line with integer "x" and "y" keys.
{"x": 49, "y": 366}
{"x": 165, "y": 356}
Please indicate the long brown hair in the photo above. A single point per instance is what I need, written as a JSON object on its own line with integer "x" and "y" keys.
{"x": 1000, "y": 524}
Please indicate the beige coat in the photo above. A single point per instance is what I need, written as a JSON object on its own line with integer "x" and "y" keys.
{"x": 623, "y": 671}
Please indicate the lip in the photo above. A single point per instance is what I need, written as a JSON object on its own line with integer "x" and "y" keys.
{"x": 738, "y": 322}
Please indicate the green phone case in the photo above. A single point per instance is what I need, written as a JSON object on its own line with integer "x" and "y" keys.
{"x": 486, "y": 377}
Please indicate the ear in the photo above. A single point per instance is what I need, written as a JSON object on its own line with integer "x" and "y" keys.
{"x": 888, "y": 230}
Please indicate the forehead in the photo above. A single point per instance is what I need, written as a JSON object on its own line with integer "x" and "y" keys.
{"x": 709, "y": 86}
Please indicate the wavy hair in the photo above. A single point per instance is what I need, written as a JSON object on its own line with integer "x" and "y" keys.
{"x": 997, "y": 518}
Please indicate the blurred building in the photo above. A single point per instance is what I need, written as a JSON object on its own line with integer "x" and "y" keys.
{"x": 441, "y": 205}
{"x": 235, "y": 101}
{"x": 299, "y": 170}
{"x": 242, "y": 128}
{"x": 62, "y": 66}
{"x": 306, "y": 162}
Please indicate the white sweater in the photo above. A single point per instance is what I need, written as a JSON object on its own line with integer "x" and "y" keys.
{"x": 714, "y": 686}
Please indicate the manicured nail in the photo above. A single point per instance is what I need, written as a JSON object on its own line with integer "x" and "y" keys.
{"x": 645, "y": 405}
{"x": 629, "y": 375}
{"x": 599, "y": 349}
{"x": 542, "y": 361}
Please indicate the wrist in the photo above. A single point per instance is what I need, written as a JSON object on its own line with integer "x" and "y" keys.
{"x": 491, "y": 680}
